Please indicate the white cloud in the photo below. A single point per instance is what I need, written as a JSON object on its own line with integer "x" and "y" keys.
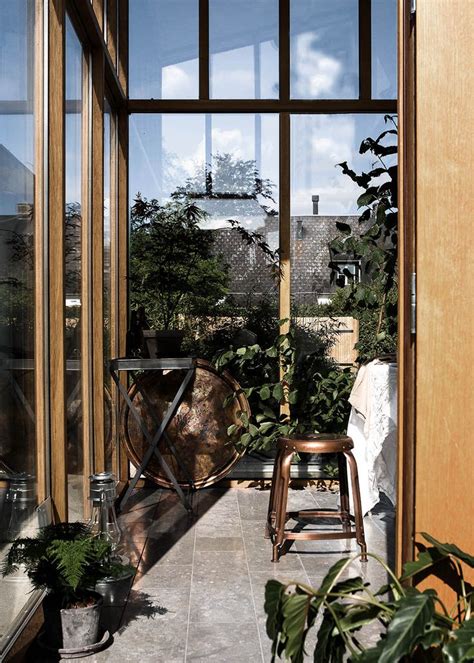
{"x": 176, "y": 82}
{"x": 317, "y": 73}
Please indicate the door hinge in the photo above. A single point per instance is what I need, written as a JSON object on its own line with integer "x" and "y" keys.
{"x": 413, "y": 303}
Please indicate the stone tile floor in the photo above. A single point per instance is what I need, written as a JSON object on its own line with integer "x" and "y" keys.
{"x": 198, "y": 594}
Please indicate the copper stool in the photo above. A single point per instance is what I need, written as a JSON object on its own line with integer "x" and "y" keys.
{"x": 277, "y": 514}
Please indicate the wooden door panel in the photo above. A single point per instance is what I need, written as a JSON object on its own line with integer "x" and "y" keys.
{"x": 444, "y": 463}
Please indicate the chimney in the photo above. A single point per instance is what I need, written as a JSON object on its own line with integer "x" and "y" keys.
{"x": 315, "y": 200}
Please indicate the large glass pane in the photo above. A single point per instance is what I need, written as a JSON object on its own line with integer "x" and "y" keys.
{"x": 227, "y": 165}
{"x": 73, "y": 271}
{"x": 16, "y": 51}
{"x": 324, "y": 49}
{"x": 18, "y": 470}
{"x": 163, "y": 48}
{"x": 324, "y": 204}
{"x": 243, "y": 44}
{"x": 384, "y": 49}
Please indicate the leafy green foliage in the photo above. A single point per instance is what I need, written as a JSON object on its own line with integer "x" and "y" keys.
{"x": 374, "y": 300}
{"x": 64, "y": 559}
{"x": 173, "y": 270}
{"x": 312, "y": 387}
{"x": 460, "y": 647}
{"x": 418, "y": 627}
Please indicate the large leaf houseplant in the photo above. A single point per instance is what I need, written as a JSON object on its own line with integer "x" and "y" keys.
{"x": 415, "y": 623}
{"x": 66, "y": 561}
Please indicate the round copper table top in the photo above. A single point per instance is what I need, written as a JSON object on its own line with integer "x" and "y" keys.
{"x": 198, "y": 430}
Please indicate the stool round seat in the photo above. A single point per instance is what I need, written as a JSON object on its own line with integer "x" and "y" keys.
{"x": 277, "y": 516}
{"x": 316, "y": 443}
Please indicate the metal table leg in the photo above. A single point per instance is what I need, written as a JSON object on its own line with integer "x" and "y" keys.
{"x": 153, "y": 441}
{"x": 169, "y": 442}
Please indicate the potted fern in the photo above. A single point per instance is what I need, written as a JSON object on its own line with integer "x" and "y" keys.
{"x": 66, "y": 561}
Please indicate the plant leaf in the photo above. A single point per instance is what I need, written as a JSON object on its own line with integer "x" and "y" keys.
{"x": 278, "y": 392}
{"x": 265, "y": 393}
{"x": 426, "y": 559}
{"x": 450, "y": 549}
{"x": 413, "y": 614}
{"x": 295, "y": 613}
{"x": 273, "y": 595}
{"x": 461, "y": 650}
{"x": 358, "y": 616}
{"x": 432, "y": 637}
{"x": 330, "y": 648}
{"x": 349, "y": 586}
{"x": 329, "y": 579}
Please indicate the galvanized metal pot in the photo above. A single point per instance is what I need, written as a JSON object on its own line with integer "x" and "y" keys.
{"x": 71, "y": 628}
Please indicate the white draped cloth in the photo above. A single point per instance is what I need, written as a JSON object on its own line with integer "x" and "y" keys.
{"x": 373, "y": 429}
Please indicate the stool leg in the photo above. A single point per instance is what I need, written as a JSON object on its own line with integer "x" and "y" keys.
{"x": 359, "y": 521}
{"x": 282, "y": 501}
{"x": 344, "y": 493}
{"x": 273, "y": 491}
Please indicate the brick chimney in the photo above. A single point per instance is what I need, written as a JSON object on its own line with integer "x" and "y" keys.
{"x": 315, "y": 200}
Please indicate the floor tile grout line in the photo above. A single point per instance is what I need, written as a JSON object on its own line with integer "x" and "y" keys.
{"x": 191, "y": 581}
{"x": 250, "y": 581}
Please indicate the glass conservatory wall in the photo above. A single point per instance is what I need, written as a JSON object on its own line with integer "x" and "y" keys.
{"x": 73, "y": 268}
{"x": 19, "y": 470}
{"x": 210, "y": 161}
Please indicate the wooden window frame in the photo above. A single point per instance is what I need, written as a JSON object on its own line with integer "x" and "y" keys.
{"x": 405, "y": 522}
{"x": 41, "y": 301}
{"x": 110, "y": 71}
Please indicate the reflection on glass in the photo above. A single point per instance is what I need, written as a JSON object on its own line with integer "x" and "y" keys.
{"x": 73, "y": 272}
{"x": 18, "y": 494}
{"x": 206, "y": 277}
{"x": 163, "y": 49}
{"x": 384, "y": 49}
{"x": 109, "y": 208}
{"x": 243, "y": 44}
{"x": 322, "y": 195}
{"x": 16, "y": 51}
{"x": 324, "y": 49}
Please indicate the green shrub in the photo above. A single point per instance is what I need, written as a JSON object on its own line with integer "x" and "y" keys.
{"x": 313, "y": 389}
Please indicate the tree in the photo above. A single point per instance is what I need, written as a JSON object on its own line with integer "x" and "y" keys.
{"x": 229, "y": 178}
{"x": 173, "y": 271}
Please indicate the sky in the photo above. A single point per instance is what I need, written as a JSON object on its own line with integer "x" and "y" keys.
{"x": 166, "y": 149}
{"x": 319, "y": 142}
{"x": 243, "y": 63}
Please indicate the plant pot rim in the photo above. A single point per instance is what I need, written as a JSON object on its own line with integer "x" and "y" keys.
{"x": 110, "y": 579}
{"x": 98, "y": 600}
{"x": 77, "y": 652}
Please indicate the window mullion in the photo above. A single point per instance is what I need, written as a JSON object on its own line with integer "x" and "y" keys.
{"x": 203, "y": 49}
{"x": 284, "y": 50}
{"x": 365, "y": 49}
